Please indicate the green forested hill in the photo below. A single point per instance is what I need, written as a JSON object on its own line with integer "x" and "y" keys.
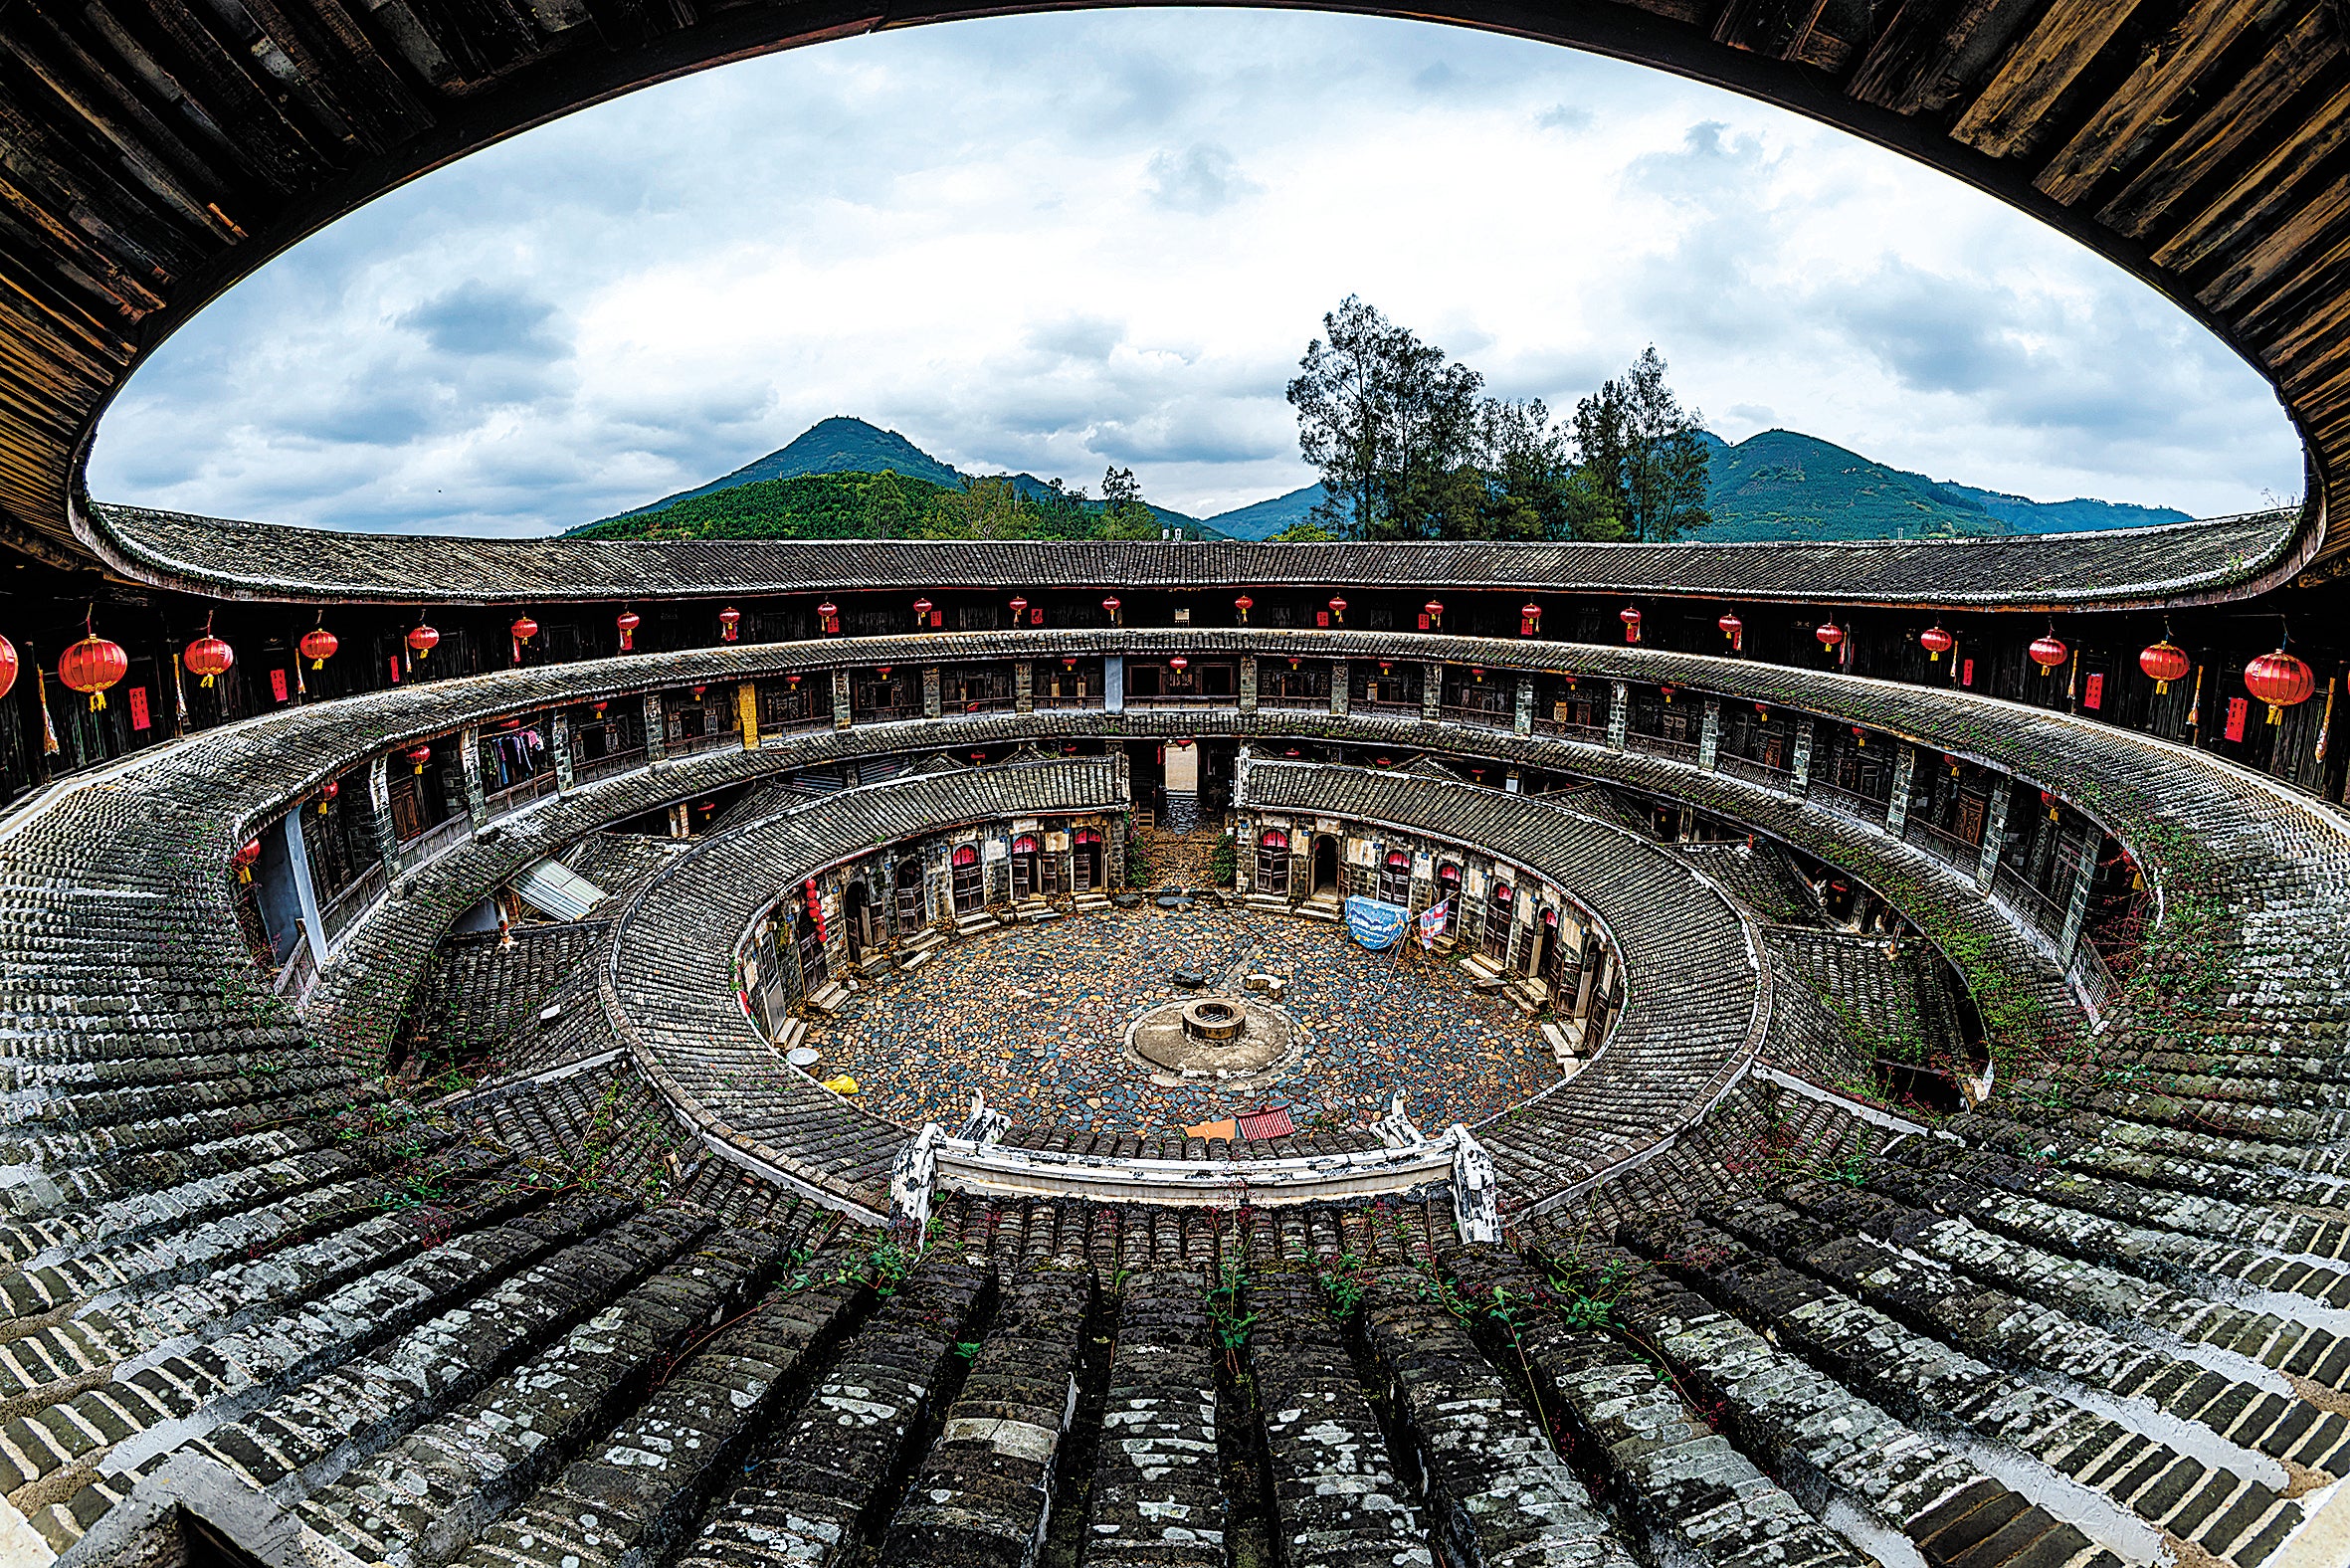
{"x": 884, "y": 505}
{"x": 843, "y": 479}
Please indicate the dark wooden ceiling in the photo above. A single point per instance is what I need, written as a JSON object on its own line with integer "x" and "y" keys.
{"x": 151, "y": 153}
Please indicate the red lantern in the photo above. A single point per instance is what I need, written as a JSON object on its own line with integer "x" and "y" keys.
{"x": 521, "y": 631}
{"x": 1435, "y": 611}
{"x": 1244, "y": 604}
{"x": 1936, "y": 642}
{"x": 2166, "y": 662}
{"x": 828, "y": 617}
{"x": 326, "y": 793}
{"x": 2049, "y": 801}
{"x": 1630, "y": 616}
{"x": 1177, "y": 663}
{"x": 882, "y": 671}
{"x": 730, "y": 624}
{"x": 1109, "y": 606}
{"x": 7, "y": 666}
{"x": 1337, "y": 611}
{"x": 1830, "y": 635}
{"x": 2281, "y": 680}
{"x": 1733, "y": 629}
{"x": 1668, "y": 690}
{"x": 318, "y": 645}
{"x": 208, "y": 656}
{"x": 628, "y": 623}
{"x": 2048, "y": 653}
{"x": 243, "y": 858}
{"x": 93, "y": 665}
{"x": 922, "y": 609}
{"x": 423, "y": 639}
{"x": 1529, "y": 618}
{"x": 1019, "y": 608}
{"x": 417, "y": 756}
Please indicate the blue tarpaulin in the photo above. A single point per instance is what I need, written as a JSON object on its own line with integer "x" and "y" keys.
{"x": 1376, "y": 925}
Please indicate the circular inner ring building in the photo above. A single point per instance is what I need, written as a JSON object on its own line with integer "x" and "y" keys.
{"x": 1174, "y": 1055}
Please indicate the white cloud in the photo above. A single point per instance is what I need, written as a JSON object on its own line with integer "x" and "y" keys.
{"x": 1058, "y": 243}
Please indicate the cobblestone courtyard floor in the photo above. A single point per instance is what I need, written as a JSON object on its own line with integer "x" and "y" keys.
{"x": 1034, "y": 1018}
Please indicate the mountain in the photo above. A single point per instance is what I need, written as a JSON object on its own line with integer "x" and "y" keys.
{"x": 1782, "y": 486}
{"x": 1265, "y": 518}
{"x": 829, "y": 446}
{"x": 1778, "y": 484}
{"x": 2062, "y": 516}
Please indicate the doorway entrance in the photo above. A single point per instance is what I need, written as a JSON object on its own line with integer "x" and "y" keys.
{"x": 1325, "y": 865}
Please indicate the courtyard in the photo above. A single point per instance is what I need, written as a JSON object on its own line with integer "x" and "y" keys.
{"x": 1035, "y": 1019}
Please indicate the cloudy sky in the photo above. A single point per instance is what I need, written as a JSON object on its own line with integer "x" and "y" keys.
{"x": 1058, "y": 243}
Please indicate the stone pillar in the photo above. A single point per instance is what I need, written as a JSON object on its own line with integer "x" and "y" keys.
{"x": 1619, "y": 714}
{"x": 305, "y": 892}
{"x": 1523, "y": 722}
{"x": 657, "y": 733}
{"x": 1023, "y": 686}
{"x": 1709, "y": 735}
{"x": 1904, "y": 769}
{"x": 930, "y": 701}
{"x": 559, "y": 742}
{"x": 1248, "y": 683}
{"x": 379, "y": 811}
{"x": 1113, "y": 683}
{"x": 1431, "y": 691}
{"x": 2076, "y": 907}
{"x": 841, "y": 715}
{"x": 1803, "y": 757}
{"x": 468, "y": 758}
{"x": 1240, "y": 787}
{"x": 1994, "y": 828}
{"x": 1339, "y": 677}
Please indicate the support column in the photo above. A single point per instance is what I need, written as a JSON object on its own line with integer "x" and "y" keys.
{"x": 1023, "y": 686}
{"x": 379, "y": 812}
{"x": 559, "y": 741}
{"x": 1113, "y": 683}
{"x": 468, "y": 758}
{"x": 746, "y": 713}
{"x": 1523, "y": 721}
{"x": 841, "y": 715}
{"x": 1248, "y": 682}
{"x": 1904, "y": 769}
{"x": 1803, "y": 757}
{"x": 1994, "y": 828}
{"x": 1619, "y": 714}
{"x": 1431, "y": 691}
{"x": 931, "y": 700}
{"x": 1340, "y": 678}
{"x": 657, "y": 734}
{"x": 305, "y": 892}
{"x": 1709, "y": 735}
{"x": 2076, "y": 907}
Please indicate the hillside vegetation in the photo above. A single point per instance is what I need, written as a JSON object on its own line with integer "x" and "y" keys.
{"x": 884, "y": 505}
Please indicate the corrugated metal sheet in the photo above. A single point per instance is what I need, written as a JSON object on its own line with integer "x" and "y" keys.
{"x": 553, "y": 890}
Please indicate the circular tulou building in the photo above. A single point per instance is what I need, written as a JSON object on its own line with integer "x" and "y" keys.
{"x": 581, "y": 1055}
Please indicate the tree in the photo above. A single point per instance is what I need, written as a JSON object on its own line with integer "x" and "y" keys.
{"x": 1525, "y": 471}
{"x": 1124, "y": 515}
{"x": 1643, "y": 453}
{"x": 1391, "y": 423}
{"x": 1303, "y": 534}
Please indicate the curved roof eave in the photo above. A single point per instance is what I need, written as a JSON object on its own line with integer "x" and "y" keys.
{"x": 2177, "y": 564}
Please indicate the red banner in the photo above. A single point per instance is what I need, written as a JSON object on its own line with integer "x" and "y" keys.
{"x": 2236, "y": 718}
{"x": 2094, "y": 695}
{"x": 139, "y": 717}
